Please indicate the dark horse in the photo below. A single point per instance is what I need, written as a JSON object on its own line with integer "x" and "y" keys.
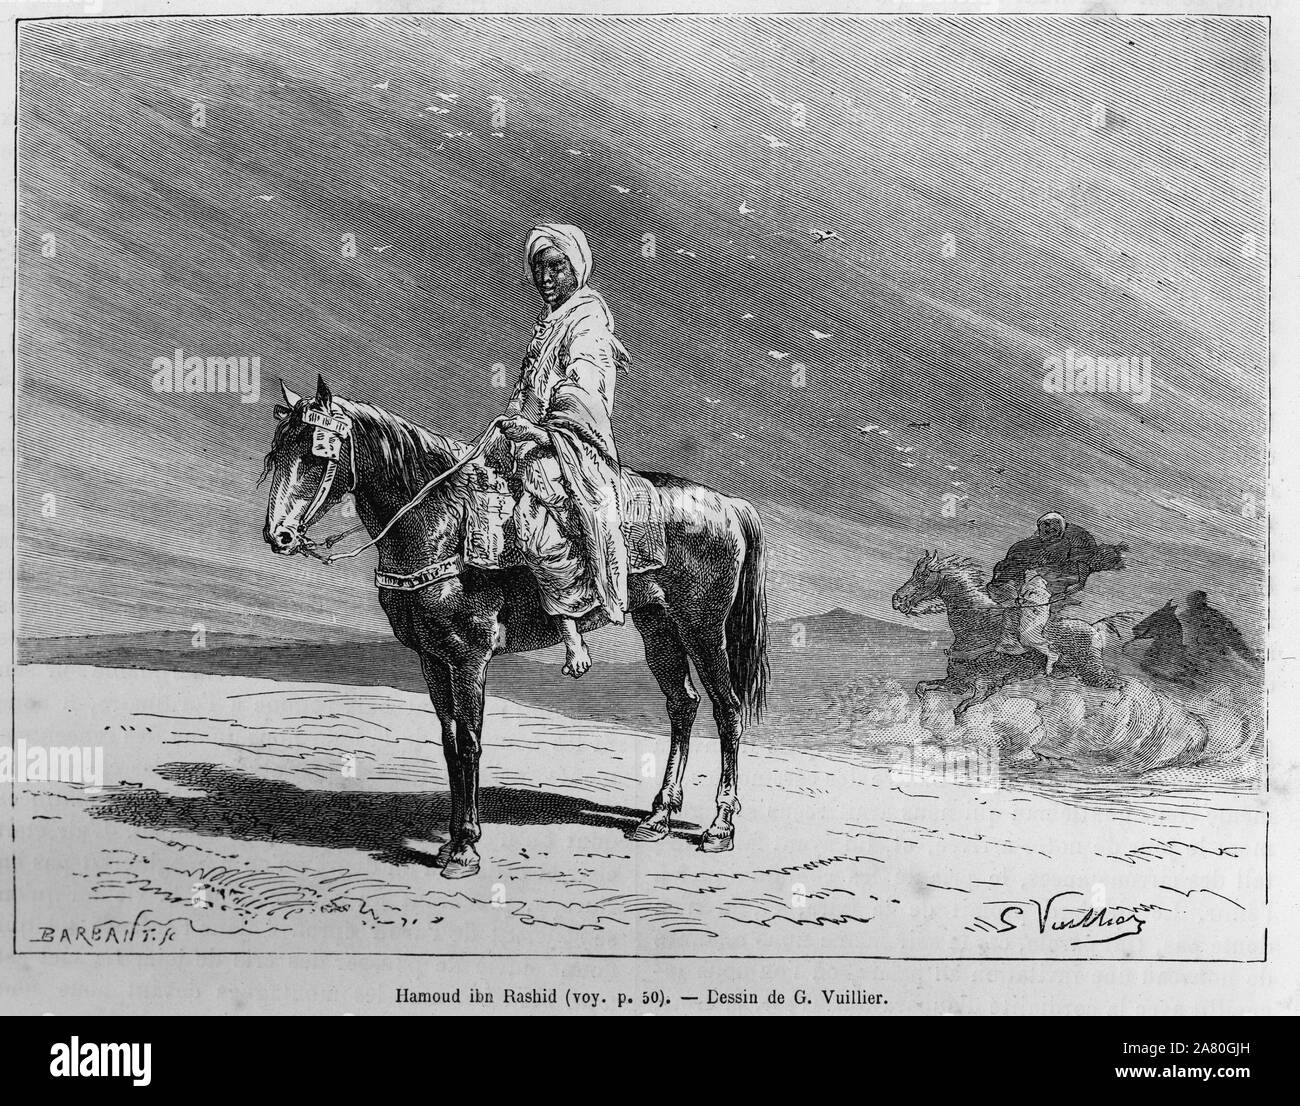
{"x": 707, "y": 604}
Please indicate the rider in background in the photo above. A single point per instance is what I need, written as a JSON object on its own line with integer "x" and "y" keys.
{"x": 1036, "y": 572}
{"x": 1209, "y": 632}
{"x": 568, "y": 515}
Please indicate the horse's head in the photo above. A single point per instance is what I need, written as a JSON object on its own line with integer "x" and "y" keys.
{"x": 920, "y": 594}
{"x": 313, "y": 443}
{"x": 1161, "y": 625}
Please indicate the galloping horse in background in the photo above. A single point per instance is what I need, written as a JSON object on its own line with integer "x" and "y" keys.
{"x": 707, "y": 604}
{"x": 976, "y": 669}
{"x": 1167, "y": 656}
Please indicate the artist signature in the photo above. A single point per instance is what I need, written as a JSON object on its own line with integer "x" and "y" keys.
{"x": 1095, "y": 926}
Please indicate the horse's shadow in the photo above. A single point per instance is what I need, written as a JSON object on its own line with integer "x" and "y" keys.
{"x": 241, "y": 806}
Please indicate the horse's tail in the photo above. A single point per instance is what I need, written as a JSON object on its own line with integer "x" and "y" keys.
{"x": 747, "y": 620}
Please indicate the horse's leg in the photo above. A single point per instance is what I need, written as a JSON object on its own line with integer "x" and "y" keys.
{"x": 468, "y": 680}
{"x": 984, "y": 687}
{"x": 666, "y": 656}
{"x": 925, "y": 687}
{"x": 438, "y": 676}
{"x": 708, "y": 649}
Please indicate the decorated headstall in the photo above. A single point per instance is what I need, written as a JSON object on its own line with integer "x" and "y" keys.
{"x": 330, "y": 429}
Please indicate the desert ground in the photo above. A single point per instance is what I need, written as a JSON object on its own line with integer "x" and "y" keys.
{"x": 249, "y": 815}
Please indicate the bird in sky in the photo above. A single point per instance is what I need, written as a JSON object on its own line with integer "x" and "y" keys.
{"x": 381, "y": 249}
{"x": 382, "y": 86}
{"x": 447, "y": 97}
{"x": 621, "y": 191}
{"x": 575, "y": 153}
{"x": 745, "y": 209}
{"x": 266, "y": 199}
{"x": 918, "y": 426}
{"x": 869, "y": 428}
{"x": 777, "y": 356}
{"x": 819, "y": 335}
{"x": 746, "y": 315}
{"x": 826, "y": 235}
{"x": 774, "y": 142}
{"x": 437, "y": 110}
{"x": 498, "y": 134}
{"x": 903, "y": 448}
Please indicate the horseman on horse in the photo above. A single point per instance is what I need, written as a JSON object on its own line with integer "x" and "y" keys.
{"x": 692, "y": 575}
{"x": 1023, "y": 600}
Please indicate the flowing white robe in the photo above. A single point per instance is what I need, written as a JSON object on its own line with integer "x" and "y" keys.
{"x": 566, "y": 387}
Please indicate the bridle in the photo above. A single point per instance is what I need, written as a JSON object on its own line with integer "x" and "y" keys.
{"x": 332, "y": 430}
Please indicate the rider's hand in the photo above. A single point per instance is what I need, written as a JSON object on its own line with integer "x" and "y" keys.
{"x": 519, "y": 429}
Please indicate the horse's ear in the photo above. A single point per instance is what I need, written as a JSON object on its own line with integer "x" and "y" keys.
{"x": 291, "y": 398}
{"x": 1171, "y": 603}
{"x": 324, "y": 396}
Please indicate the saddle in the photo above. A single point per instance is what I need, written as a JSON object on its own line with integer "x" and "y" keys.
{"x": 491, "y": 541}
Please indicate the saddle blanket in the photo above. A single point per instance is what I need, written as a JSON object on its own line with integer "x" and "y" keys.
{"x": 491, "y": 541}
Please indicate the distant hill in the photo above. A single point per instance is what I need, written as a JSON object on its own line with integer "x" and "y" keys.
{"x": 812, "y": 660}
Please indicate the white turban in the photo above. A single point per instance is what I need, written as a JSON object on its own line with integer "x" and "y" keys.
{"x": 569, "y": 240}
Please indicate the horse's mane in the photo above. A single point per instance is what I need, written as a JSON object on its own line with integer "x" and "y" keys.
{"x": 971, "y": 569}
{"x": 400, "y": 454}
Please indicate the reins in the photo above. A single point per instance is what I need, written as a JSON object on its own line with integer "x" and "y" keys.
{"x": 308, "y": 548}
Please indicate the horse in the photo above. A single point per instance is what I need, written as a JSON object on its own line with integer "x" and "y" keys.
{"x": 1167, "y": 657}
{"x": 976, "y": 669}
{"x": 1195, "y": 648}
{"x": 706, "y": 605}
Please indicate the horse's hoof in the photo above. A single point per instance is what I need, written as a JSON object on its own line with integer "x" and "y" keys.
{"x": 717, "y": 843}
{"x": 459, "y": 869}
{"x": 649, "y": 831}
{"x": 443, "y": 856}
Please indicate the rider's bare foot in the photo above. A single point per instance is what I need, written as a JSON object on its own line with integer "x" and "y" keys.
{"x": 577, "y": 660}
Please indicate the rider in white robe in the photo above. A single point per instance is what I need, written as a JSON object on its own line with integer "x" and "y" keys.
{"x": 568, "y": 516}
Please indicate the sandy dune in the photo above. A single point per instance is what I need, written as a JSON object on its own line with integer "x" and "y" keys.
{"x": 249, "y": 815}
